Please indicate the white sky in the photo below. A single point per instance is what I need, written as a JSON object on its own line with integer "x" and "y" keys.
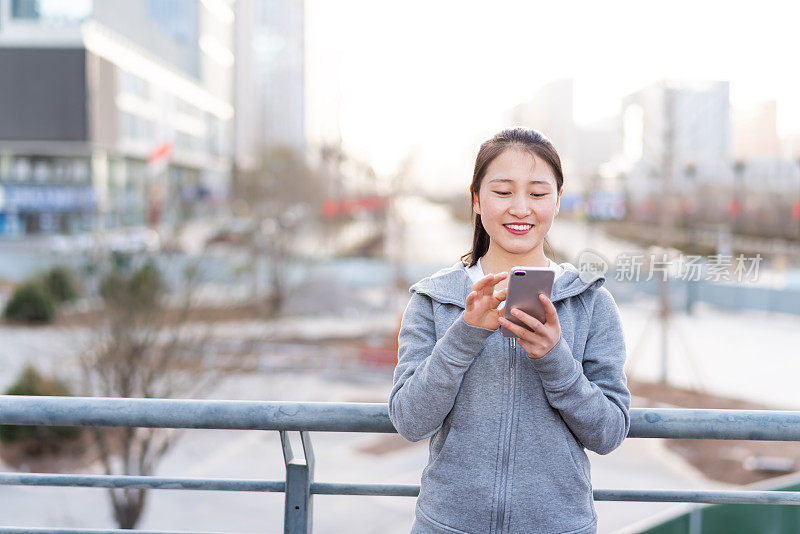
{"x": 438, "y": 77}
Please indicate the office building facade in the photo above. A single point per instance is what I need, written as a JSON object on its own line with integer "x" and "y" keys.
{"x": 115, "y": 114}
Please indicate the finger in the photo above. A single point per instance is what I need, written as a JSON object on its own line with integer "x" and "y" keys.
{"x": 499, "y": 277}
{"x": 471, "y": 299}
{"x": 496, "y": 279}
{"x": 501, "y": 295}
{"x": 499, "y": 298}
{"x": 529, "y": 320}
{"x": 480, "y": 283}
{"x": 520, "y": 332}
{"x": 488, "y": 287}
{"x": 551, "y": 315}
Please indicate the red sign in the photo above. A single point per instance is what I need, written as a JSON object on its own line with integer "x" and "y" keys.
{"x": 734, "y": 208}
{"x": 333, "y": 207}
{"x": 796, "y": 210}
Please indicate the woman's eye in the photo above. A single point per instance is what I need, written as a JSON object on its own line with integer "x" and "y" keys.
{"x": 539, "y": 195}
{"x": 502, "y": 193}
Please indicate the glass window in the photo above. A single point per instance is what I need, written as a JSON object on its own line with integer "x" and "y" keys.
{"x": 22, "y": 169}
{"x": 80, "y": 169}
{"x": 53, "y": 12}
{"x": 41, "y": 171}
{"x": 25, "y": 9}
{"x": 6, "y": 162}
{"x": 61, "y": 170}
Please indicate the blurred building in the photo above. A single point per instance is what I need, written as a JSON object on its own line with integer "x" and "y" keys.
{"x": 767, "y": 175}
{"x": 113, "y": 113}
{"x": 790, "y": 147}
{"x": 582, "y": 148}
{"x": 550, "y": 111}
{"x": 759, "y": 152}
{"x": 270, "y": 78}
{"x": 700, "y": 151}
{"x": 755, "y": 132}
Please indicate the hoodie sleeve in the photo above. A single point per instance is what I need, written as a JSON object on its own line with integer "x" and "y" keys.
{"x": 593, "y": 401}
{"x": 429, "y": 372}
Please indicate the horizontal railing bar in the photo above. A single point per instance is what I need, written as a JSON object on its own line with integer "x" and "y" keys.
{"x": 205, "y": 414}
{"x": 710, "y": 497}
{"x": 390, "y": 490}
{"x": 386, "y": 490}
{"x": 139, "y": 482}
{"x": 203, "y": 484}
{"x": 766, "y": 425}
{"x": 683, "y": 423}
{"x": 44, "y": 530}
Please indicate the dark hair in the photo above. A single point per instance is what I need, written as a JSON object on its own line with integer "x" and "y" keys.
{"x": 526, "y": 139}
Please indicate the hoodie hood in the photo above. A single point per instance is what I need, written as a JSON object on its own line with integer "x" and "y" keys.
{"x": 451, "y": 285}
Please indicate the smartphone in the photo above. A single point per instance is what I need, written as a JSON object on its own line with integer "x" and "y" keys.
{"x": 524, "y": 286}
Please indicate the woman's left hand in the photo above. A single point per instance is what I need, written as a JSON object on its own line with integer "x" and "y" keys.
{"x": 544, "y": 336}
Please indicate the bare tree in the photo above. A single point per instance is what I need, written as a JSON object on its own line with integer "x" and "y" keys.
{"x": 282, "y": 194}
{"x": 142, "y": 348}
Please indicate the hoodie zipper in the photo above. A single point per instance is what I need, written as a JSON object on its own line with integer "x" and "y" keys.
{"x": 501, "y": 508}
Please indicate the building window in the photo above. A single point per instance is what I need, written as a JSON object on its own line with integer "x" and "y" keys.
{"x": 41, "y": 171}
{"x": 22, "y": 169}
{"x": 52, "y": 13}
{"x": 25, "y": 9}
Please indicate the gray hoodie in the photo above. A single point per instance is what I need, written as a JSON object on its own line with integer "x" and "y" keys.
{"x": 508, "y": 432}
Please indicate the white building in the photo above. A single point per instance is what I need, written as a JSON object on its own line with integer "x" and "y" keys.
{"x": 270, "y": 78}
{"x": 582, "y": 148}
{"x": 701, "y": 136}
{"x": 91, "y": 91}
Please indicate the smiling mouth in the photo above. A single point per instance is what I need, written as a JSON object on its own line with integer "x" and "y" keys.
{"x": 518, "y": 229}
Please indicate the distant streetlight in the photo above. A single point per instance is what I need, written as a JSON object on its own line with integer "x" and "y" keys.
{"x": 735, "y": 206}
{"x": 687, "y": 198}
{"x": 796, "y": 204}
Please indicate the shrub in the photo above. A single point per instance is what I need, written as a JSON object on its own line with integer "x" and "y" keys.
{"x": 39, "y": 438}
{"x": 30, "y": 303}
{"x": 61, "y": 284}
{"x": 138, "y": 291}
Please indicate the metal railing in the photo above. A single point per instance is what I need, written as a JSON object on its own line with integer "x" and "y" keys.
{"x": 299, "y": 486}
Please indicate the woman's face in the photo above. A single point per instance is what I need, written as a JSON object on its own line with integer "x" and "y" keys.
{"x": 517, "y": 200}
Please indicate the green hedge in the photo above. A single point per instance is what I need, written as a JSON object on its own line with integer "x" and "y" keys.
{"x": 39, "y": 438}
{"x": 37, "y": 300}
{"x": 31, "y": 303}
{"x": 61, "y": 284}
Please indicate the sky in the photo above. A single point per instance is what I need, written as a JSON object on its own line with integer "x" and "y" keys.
{"x": 436, "y": 78}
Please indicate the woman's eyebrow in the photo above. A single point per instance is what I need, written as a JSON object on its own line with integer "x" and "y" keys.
{"x": 510, "y": 180}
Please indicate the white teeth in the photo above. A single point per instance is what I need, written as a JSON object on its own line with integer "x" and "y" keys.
{"x": 519, "y": 227}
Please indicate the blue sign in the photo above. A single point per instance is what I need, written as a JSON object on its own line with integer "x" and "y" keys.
{"x": 606, "y": 205}
{"x": 47, "y": 198}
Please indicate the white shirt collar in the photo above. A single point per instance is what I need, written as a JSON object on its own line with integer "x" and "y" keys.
{"x": 476, "y": 271}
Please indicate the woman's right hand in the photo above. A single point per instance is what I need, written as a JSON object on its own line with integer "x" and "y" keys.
{"x": 482, "y": 303}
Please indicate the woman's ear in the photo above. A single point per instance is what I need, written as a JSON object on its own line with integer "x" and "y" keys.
{"x": 476, "y": 205}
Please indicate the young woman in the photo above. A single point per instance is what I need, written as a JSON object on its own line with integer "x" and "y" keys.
{"x": 509, "y": 418}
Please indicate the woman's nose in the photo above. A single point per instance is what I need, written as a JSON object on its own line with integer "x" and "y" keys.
{"x": 520, "y": 207}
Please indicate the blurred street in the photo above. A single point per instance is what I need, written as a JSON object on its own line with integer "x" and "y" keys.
{"x": 704, "y": 343}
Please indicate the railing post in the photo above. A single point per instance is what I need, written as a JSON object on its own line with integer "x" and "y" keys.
{"x": 298, "y": 513}
{"x": 696, "y": 520}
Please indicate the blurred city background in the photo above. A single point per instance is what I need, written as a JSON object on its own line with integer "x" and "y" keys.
{"x": 229, "y": 199}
